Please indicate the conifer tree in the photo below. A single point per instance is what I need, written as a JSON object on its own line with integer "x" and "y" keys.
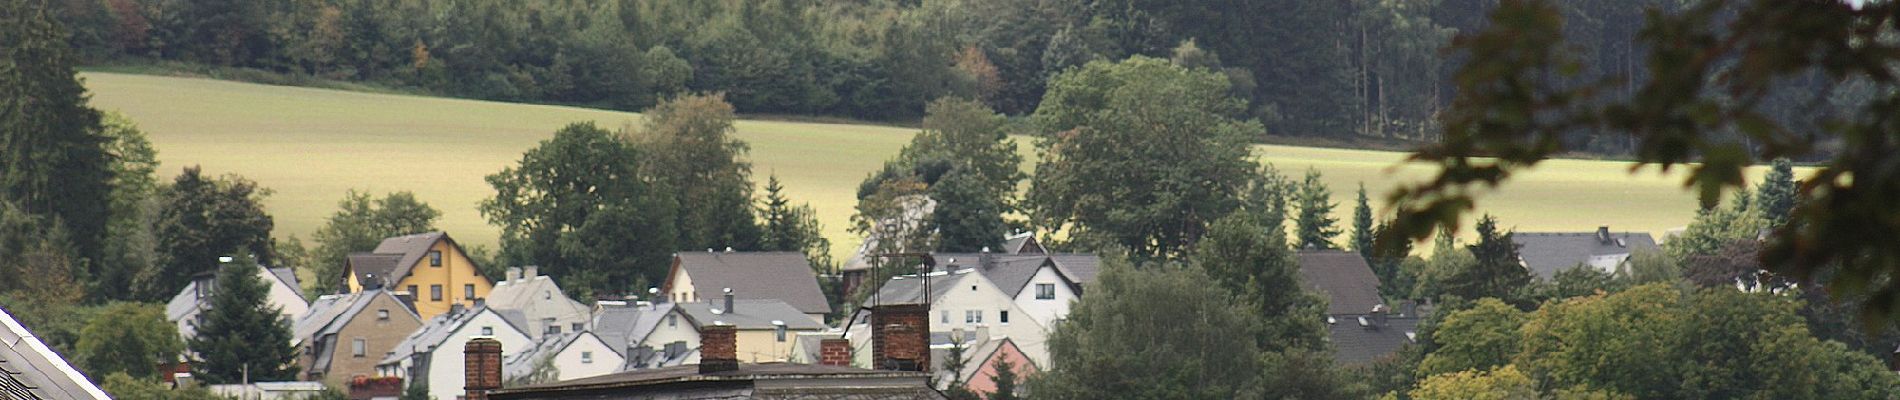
{"x": 52, "y": 156}
{"x": 241, "y": 335}
{"x": 1497, "y": 273}
{"x": 1315, "y": 222}
{"x": 1005, "y": 380}
{"x": 1362, "y": 224}
{"x": 1776, "y": 194}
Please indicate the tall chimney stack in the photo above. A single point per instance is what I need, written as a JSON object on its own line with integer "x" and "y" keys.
{"x": 718, "y": 348}
{"x": 900, "y": 337}
{"x": 835, "y": 352}
{"x": 728, "y": 300}
{"x": 482, "y": 366}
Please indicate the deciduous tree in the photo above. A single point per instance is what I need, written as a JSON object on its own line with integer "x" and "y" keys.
{"x": 359, "y": 224}
{"x": 128, "y": 338}
{"x": 688, "y": 148}
{"x": 203, "y": 219}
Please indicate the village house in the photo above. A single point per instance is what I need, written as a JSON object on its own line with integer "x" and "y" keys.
{"x": 431, "y": 266}
{"x": 982, "y": 358}
{"x": 1042, "y": 285}
{"x": 29, "y": 370}
{"x": 856, "y": 270}
{"x": 965, "y": 301}
{"x": 1360, "y": 326}
{"x": 628, "y": 328}
{"x": 721, "y": 374}
{"x": 1547, "y": 253}
{"x": 344, "y": 336}
{"x": 562, "y": 356}
{"x": 548, "y": 310}
{"x": 764, "y": 328}
{"x": 432, "y": 355}
{"x": 185, "y": 307}
{"x": 783, "y": 276}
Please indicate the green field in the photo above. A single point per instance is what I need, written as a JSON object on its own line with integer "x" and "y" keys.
{"x": 312, "y": 145}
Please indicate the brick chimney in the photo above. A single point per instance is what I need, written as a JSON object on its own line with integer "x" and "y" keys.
{"x": 718, "y": 348}
{"x": 900, "y": 337}
{"x": 834, "y": 352}
{"x": 482, "y": 366}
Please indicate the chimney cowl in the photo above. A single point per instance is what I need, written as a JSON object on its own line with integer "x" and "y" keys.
{"x": 729, "y": 305}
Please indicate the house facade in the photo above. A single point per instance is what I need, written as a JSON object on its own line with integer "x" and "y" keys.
{"x": 966, "y": 303}
{"x": 1043, "y": 285}
{"x": 765, "y": 330}
{"x": 547, "y": 309}
{"x": 430, "y": 266}
{"x": 562, "y": 356}
{"x": 285, "y": 294}
{"x": 433, "y": 355}
{"x": 344, "y": 336}
{"x": 781, "y": 276}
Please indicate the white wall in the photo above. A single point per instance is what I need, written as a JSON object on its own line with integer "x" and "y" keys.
{"x": 974, "y": 292}
{"x": 681, "y": 289}
{"x": 446, "y": 362}
{"x": 672, "y": 328}
{"x": 1046, "y": 311}
{"x": 571, "y": 364}
{"x": 282, "y": 295}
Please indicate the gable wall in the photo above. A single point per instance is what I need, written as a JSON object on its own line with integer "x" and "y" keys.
{"x": 380, "y": 337}
{"x": 456, "y": 271}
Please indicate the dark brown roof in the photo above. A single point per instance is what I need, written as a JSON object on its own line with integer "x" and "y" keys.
{"x": 782, "y": 276}
{"x": 368, "y": 266}
{"x": 394, "y": 257}
{"x": 646, "y": 379}
{"x": 1343, "y": 278}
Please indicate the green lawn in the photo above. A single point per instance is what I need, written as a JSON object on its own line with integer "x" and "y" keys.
{"x": 311, "y": 145}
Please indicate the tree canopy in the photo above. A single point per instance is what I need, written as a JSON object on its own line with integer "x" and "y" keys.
{"x": 360, "y": 223}
{"x": 241, "y": 334}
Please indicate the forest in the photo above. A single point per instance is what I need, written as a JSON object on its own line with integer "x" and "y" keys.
{"x": 1357, "y": 73}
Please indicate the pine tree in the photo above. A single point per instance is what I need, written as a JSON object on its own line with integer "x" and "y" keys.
{"x": 1362, "y": 224}
{"x": 1315, "y": 222}
{"x": 1497, "y": 273}
{"x": 242, "y": 335}
{"x": 1005, "y": 380}
{"x": 1776, "y": 194}
{"x": 53, "y": 160}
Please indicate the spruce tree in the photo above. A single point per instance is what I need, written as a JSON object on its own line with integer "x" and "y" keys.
{"x": 241, "y": 335}
{"x": 1362, "y": 224}
{"x": 1776, "y": 194}
{"x": 1315, "y": 222}
{"x": 53, "y": 160}
{"x": 1005, "y": 380}
{"x": 1497, "y": 273}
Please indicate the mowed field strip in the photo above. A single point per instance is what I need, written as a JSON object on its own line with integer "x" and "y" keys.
{"x": 310, "y": 146}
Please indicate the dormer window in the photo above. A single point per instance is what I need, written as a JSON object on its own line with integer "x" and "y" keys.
{"x": 435, "y": 258}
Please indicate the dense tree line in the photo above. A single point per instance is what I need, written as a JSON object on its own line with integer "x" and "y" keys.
{"x": 1349, "y": 70}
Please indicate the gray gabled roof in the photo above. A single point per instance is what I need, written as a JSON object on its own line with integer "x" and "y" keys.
{"x": 621, "y": 327}
{"x": 443, "y": 326}
{"x": 522, "y": 363}
{"x": 29, "y": 370}
{"x": 909, "y": 289}
{"x": 1012, "y": 272}
{"x": 1022, "y": 243}
{"x": 1547, "y": 253}
{"x": 750, "y": 315}
{"x": 289, "y": 278}
{"x": 329, "y": 315}
{"x": 784, "y": 276}
{"x": 1343, "y": 278}
{"x": 1355, "y": 345}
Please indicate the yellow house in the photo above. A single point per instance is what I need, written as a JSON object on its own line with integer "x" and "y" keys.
{"x": 429, "y": 266}
{"x": 766, "y": 329}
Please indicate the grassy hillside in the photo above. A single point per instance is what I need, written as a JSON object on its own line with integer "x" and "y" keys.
{"x": 312, "y": 145}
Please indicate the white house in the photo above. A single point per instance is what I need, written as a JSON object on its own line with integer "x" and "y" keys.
{"x": 964, "y": 300}
{"x": 285, "y": 294}
{"x": 433, "y": 355}
{"x": 1042, "y": 285}
{"x": 562, "y": 356}
{"x": 546, "y": 309}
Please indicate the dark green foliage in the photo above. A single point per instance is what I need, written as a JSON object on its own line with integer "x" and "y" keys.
{"x": 964, "y": 161}
{"x": 1581, "y": 280}
{"x": 687, "y": 147}
{"x": 125, "y": 387}
{"x": 1005, "y": 381}
{"x": 1240, "y": 256}
{"x": 792, "y": 228}
{"x": 359, "y": 224}
{"x": 1775, "y": 197}
{"x": 1390, "y": 263}
{"x": 577, "y": 206}
{"x": 1144, "y": 154}
{"x": 1120, "y": 343}
{"x": 242, "y": 335}
{"x": 203, "y": 219}
{"x": 53, "y": 159}
{"x": 128, "y": 338}
{"x": 968, "y": 217}
{"x": 1362, "y": 237}
{"x": 417, "y": 391}
{"x": 1314, "y": 225}
{"x": 1497, "y": 272}
{"x": 131, "y": 232}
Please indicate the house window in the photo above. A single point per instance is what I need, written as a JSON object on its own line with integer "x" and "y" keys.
{"x": 944, "y": 316}
{"x": 973, "y": 316}
{"x": 358, "y": 347}
{"x": 468, "y": 291}
{"x": 553, "y": 327}
{"x": 1045, "y": 291}
{"x": 1002, "y": 317}
{"x": 672, "y": 320}
{"x": 435, "y": 292}
{"x": 587, "y": 357}
{"x": 577, "y": 327}
{"x": 781, "y": 333}
{"x": 382, "y": 315}
{"x": 488, "y": 331}
{"x": 435, "y": 258}
{"x": 412, "y": 291}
